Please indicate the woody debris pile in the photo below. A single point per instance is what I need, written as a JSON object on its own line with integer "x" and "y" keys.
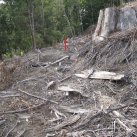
{"x": 88, "y": 91}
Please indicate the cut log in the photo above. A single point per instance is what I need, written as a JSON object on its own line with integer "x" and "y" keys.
{"x": 101, "y": 75}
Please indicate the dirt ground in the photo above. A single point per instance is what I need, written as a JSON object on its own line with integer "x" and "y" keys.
{"x": 34, "y": 102}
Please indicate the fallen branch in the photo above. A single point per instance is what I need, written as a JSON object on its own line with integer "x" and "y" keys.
{"x": 29, "y": 79}
{"x": 67, "y": 122}
{"x": 45, "y": 65}
{"x": 57, "y": 61}
{"x": 34, "y": 96}
{"x": 25, "y": 80}
{"x": 23, "y": 110}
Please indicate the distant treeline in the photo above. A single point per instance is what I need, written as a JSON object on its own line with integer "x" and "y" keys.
{"x": 27, "y": 24}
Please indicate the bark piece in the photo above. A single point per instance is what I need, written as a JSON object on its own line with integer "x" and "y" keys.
{"x": 105, "y": 75}
{"x": 85, "y": 73}
{"x": 108, "y": 25}
{"x": 70, "y": 90}
{"x": 99, "y": 24}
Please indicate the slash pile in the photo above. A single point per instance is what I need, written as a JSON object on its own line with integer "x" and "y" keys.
{"x": 46, "y": 98}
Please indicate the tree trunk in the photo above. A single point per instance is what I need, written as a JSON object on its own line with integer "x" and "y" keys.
{"x": 32, "y": 23}
{"x": 43, "y": 16}
{"x": 0, "y": 56}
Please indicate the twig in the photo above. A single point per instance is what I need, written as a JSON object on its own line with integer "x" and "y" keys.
{"x": 12, "y": 129}
{"x": 65, "y": 78}
{"x": 25, "y": 80}
{"x": 29, "y": 79}
{"x": 50, "y": 84}
{"x": 34, "y": 96}
{"x": 23, "y": 110}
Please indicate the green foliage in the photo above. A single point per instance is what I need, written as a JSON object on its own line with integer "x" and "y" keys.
{"x": 13, "y": 52}
{"x": 52, "y": 20}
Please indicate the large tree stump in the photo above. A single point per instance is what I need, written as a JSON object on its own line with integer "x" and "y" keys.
{"x": 115, "y": 19}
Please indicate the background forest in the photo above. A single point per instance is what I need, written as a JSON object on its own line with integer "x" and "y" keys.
{"x": 27, "y": 24}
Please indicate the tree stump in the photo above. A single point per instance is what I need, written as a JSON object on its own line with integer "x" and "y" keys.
{"x": 113, "y": 20}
